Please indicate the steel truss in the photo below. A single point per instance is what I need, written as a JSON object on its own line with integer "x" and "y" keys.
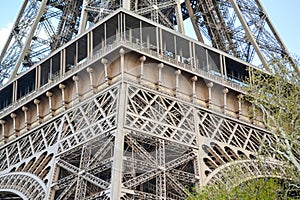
{"x": 117, "y": 133}
{"x": 239, "y": 27}
{"x": 169, "y": 146}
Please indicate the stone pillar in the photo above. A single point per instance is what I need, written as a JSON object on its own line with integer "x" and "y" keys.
{"x": 141, "y": 77}
{"x": 63, "y": 98}
{"x": 194, "y": 96}
{"x": 239, "y": 111}
{"x": 209, "y": 87}
{"x": 160, "y": 66}
{"x": 177, "y": 74}
{"x": 225, "y": 91}
{"x": 104, "y": 61}
{"x": 15, "y": 131}
{"x": 25, "y": 110}
{"x": 122, "y": 63}
{"x": 49, "y": 95}
{"x": 2, "y": 136}
{"x": 90, "y": 71}
{"x": 76, "y": 79}
{"x": 37, "y": 102}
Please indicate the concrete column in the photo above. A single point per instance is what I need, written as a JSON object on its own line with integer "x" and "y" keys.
{"x": 76, "y": 79}
{"x": 225, "y": 91}
{"x": 141, "y": 77}
{"x": 122, "y": 63}
{"x": 194, "y": 96}
{"x": 177, "y": 74}
{"x": 25, "y": 110}
{"x": 209, "y": 87}
{"x": 104, "y": 61}
{"x": 37, "y": 102}
{"x": 2, "y": 138}
{"x": 91, "y": 71}
{"x": 49, "y": 95}
{"x": 117, "y": 167}
{"x": 239, "y": 111}
{"x": 160, "y": 66}
{"x": 62, "y": 88}
{"x": 15, "y": 131}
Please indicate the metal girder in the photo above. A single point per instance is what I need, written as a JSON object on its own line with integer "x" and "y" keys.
{"x": 87, "y": 176}
{"x": 241, "y": 28}
{"x": 41, "y": 27}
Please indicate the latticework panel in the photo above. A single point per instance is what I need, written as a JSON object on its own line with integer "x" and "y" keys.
{"x": 85, "y": 172}
{"x": 219, "y": 139}
{"x": 155, "y": 114}
{"x": 155, "y": 168}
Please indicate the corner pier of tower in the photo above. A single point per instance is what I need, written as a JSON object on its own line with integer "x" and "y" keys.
{"x": 173, "y": 92}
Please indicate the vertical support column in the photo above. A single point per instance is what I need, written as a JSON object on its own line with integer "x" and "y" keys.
{"x": 159, "y": 66}
{"x": 62, "y": 62}
{"x": 221, "y": 65}
{"x": 90, "y": 71}
{"x": 249, "y": 34}
{"x": 209, "y": 87}
{"x": 104, "y": 61}
{"x": 2, "y": 137}
{"x": 177, "y": 74}
{"x": 25, "y": 110}
{"x": 126, "y": 4}
{"x": 194, "y": 96}
{"x": 37, "y": 102}
{"x": 141, "y": 77}
{"x": 83, "y": 17}
{"x": 38, "y": 77}
{"x": 62, "y": 88}
{"x": 141, "y": 34}
{"x": 179, "y": 18}
{"x": 225, "y": 91}
{"x": 191, "y": 54}
{"x": 239, "y": 111}
{"x": 15, "y": 91}
{"x": 117, "y": 168}
{"x": 194, "y": 20}
{"x": 15, "y": 131}
{"x": 90, "y": 44}
{"x": 76, "y": 79}
{"x": 49, "y": 95}
{"x": 198, "y": 164}
{"x": 122, "y": 63}
{"x": 161, "y": 177}
{"x": 157, "y": 40}
{"x": 26, "y": 45}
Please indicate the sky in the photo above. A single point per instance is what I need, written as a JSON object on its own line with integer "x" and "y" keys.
{"x": 284, "y": 16}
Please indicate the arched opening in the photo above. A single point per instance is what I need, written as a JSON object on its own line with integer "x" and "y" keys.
{"x": 11, "y": 195}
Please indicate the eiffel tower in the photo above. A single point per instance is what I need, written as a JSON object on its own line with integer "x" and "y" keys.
{"x": 111, "y": 100}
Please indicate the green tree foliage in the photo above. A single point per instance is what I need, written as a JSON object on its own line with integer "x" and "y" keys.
{"x": 255, "y": 189}
{"x": 276, "y": 98}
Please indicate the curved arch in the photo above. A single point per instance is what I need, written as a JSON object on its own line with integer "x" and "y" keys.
{"x": 15, "y": 192}
{"x": 249, "y": 169}
{"x": 26, "y": 185}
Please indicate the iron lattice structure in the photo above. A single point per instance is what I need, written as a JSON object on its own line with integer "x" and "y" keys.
{"x": 127, "y": 109}
{"x": 239, "y": 27}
